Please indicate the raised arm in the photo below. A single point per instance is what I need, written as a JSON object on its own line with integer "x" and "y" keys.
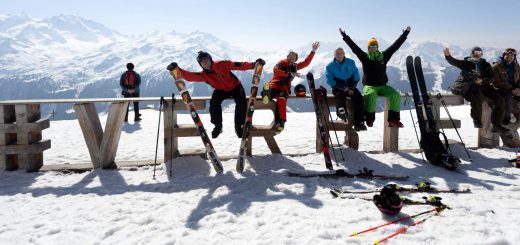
{"x": 397, "y": 44}
{"x": 353, "y": 46}
{"x": 238, "y": 66}
{"x": 452, "y": 61}
{"x": 309, "y": 57}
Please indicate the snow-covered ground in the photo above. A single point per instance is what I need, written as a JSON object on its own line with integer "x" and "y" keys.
{"x": 261, "y": 206}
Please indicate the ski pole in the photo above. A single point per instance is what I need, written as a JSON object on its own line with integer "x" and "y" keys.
{"x": 334, "y": 128}
{"x": 404, "y": 229}
{"x": 393, "y": 222}
{"x": 158, "y": 129}
{"x": 407, "y": 101}
{"x": 171, "y": 135}
{"x": 453, "y": 123}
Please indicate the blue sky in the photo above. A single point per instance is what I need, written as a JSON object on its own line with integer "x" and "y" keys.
{"x": 269, "y": 24}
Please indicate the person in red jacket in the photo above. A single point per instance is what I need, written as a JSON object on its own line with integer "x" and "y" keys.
{"x": 280, "y": 85}
{"x": 219, "y": 76}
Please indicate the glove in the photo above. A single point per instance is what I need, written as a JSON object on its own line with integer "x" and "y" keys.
{"x": 172, "y": 66}
{"x": 260, "y": 61}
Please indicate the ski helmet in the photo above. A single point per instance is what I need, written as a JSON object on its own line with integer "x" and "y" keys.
{"x": 204, "y": 55}
{"x": 300, "y": 90}
{"x": 509, "y": 51}
{"x": 388, "y": 201}
{"x": 515, "y": 160}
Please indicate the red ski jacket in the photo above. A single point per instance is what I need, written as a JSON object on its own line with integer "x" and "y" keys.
{"x": 220, "y": 77}
{"x": 282, "y": 70}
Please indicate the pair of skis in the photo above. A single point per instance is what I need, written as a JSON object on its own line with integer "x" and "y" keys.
{"x": 436, "y": 152}
{"x": 420, "y": 187}
{"x": 210, "y": 150}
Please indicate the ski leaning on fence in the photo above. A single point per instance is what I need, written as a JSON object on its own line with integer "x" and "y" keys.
{"x": 324, "y": 134}
{"x": 436, "y": 152}
{"x": 249, "y": 117}
{"x": 181, "y": 86}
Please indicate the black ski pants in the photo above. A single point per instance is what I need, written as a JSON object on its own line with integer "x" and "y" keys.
{"x": 136, "y": 105}
{"x": 358, "y": 103}
{"x": 215, "y": 105}
{"x": 478, "y": 94}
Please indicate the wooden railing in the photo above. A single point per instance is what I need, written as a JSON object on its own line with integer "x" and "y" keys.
{"x": 22, "y": 146}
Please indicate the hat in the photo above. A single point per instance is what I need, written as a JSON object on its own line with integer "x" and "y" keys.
{"x": 130, "y": 66}
{"x": 373, "y": 42}
{"x": 475, "y": 49}
{"x": 509, "y": 51}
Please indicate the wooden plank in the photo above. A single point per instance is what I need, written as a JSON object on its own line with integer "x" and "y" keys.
{"x": 169, "y": 140}
{"x": 486, "y": 138}
{"x": 110, "y": 141}
{"x": 185, "y": 130}
{"x": 7, "y": 114}
{"x": 91, "y": 129}
{"x": 273, "y": 146}
{"x": 39, "y": 125}
{"x": 390, "y": 135}
{"x": 449, "y": 99}
{"x": 27, "y": 113}
{"x": 447, "y": 124}
{"x": 37, "y": 147}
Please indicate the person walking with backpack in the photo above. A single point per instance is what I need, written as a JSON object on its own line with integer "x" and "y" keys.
{"x": 343, "y": 77}
{"x": 375, "y": 80}
{"x": 219, "y": 76}
{"x": 478, "y": 78}
{"x": 130, "y": 82}
{"x": 280, "y": 85}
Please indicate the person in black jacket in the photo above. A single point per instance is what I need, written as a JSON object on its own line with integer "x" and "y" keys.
{"x": 130, "y": 82}
{"x": 375, "y": 79}
{"x": 479, "y": 76}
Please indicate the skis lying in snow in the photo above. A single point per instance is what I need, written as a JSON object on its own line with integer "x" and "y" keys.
{"x": 430, "y": 200}
{"x": 421, "y": 187}
{"x": 341, "y": 173}
{"x": 249, "y": 118}
{"x": 181, "y": 86}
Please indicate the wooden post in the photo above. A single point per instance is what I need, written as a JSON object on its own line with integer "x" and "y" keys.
{"x": 486, "y": 138}
{"x": 7, "y": 117}
{"x": 390, "y": 135}
{"x": 102, "y": 146}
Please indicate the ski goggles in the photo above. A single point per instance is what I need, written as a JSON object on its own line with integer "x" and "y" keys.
{"x": 373, "y": 46}
{"x": 479, "y": 52}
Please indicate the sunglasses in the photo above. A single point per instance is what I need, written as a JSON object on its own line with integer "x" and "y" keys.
{"x": 478, "y": 52}
{"x": 372, "y": 46}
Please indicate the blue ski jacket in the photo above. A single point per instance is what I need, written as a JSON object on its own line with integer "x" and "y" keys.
{"x": 343, "y": 74}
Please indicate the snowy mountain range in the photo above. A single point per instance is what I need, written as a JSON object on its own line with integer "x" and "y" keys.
{"x": 68, "y": 56}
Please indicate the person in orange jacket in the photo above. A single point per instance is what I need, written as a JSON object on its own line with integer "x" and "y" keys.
{"x": 219, "y": 76}
{"x": 280, "y": 85}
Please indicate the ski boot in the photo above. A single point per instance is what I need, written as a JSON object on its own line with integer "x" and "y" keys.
{"x": 217, "y": 130}
{"x": 395, "y": 124}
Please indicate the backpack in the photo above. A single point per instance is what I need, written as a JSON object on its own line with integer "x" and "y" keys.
{"x": 130, "y": 79}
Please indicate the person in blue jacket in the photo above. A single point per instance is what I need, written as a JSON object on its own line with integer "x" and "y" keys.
{"x": 343, "y": 76}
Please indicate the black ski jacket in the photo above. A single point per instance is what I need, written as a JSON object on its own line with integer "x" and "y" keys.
{"x": 374, "y": 72}
{"x": 467, "y": 65}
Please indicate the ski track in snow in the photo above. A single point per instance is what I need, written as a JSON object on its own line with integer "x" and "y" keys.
{"x": 261, "y": 206}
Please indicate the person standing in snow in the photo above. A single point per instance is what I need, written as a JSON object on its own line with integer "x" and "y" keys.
{"x": 130, "y": 82}
{"x": 280, "y": 85}
{"x": 219, "y": 76}
{"x": 477, "y": 74}
{"x": 375, "y": 80}
{"x": 343, "y": 76}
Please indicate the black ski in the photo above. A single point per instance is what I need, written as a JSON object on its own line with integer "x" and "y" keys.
{"x": 249, "y": 117}
{"x": 431, "y": 200}
{"x": 426, "y": 188}
{"x": 341, "y": 173}
{"x": 181, "y": 86}
{"x": 324, "y": 134}
{"x": 436, "y": 152}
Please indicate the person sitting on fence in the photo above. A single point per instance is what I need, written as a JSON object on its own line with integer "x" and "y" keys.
{"x": 375, "y": 79}
{"x": 219, "y": 76}
{"x": 280, "y": 85}
{"x": 130, "y": 82}
{"x": 343, "y": 76}
{"x": 475, "y": 84}
{"x": 507, "y": 79}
